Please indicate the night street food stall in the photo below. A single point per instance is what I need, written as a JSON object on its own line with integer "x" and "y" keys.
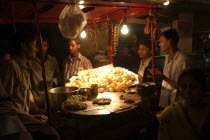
{"x": 112, "y": 102}
{"x": 101, "y": 100}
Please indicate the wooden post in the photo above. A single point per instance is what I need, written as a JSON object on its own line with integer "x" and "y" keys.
{"x": 42, "y": 62}
{"x": 153, "y": 53}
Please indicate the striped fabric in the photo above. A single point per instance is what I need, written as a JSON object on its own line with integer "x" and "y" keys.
{"x": 73, "y": 65}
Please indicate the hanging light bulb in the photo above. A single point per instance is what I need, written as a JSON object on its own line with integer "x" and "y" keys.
{"x": 81, "y": 6}
{"x": 124, "y": 29}
{"x": 81, "y": 2}
{"x": 83, "y": 34}
{"x": 166, "y": 3}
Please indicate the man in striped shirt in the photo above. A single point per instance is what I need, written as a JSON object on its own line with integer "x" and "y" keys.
{"x": 75, "y": 62}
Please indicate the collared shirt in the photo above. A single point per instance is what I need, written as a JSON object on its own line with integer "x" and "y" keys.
{"x": 73, "y": 65}
{"x": 52, "y": 73}
{"x": 173, "y": 67}
{"x": 17, "y": 84}
{"x": 3, "y": 94}
{"x": 142, "y": 69}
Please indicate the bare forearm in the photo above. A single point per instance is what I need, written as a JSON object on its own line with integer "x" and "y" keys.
{"x": 170, "y": 82}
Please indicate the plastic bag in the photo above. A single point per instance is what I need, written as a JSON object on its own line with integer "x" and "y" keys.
{"x": 71, "y": 21}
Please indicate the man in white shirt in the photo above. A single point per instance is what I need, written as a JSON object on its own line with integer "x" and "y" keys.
{"x": 175, "y": 63}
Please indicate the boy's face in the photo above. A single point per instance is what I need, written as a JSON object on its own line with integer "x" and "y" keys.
{"x": 144, "y": 51}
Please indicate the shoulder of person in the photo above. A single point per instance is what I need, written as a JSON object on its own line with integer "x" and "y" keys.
{"x": 167, "y": 113}
{"x": 85, "y": 58}
{"x": 182, "y": 55}
{"x": 11, "y": 63}
{"x": 50, "y": 57}
{"x": 150, "y": 64}
{"x": 11, "y": 66}
{"x": 183, "y": 58}
{"x": 66, "y": 59}
{"x": 31, "y": 62}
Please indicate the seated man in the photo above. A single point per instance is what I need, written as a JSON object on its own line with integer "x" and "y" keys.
{"x": 17, "y": 88}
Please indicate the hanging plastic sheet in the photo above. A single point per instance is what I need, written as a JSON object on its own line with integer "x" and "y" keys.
{"x": 71, "y": 21}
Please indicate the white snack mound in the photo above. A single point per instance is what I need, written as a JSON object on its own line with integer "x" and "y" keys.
{"x": 108, "y": 78}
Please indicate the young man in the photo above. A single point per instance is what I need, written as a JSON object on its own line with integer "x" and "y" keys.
{"x": 75, "y": 62}
{"x": 175, "y": 63}
{"x": 53, "y": 75}
{"x": 145, "y": 54}
{"x": 17, "y": 89}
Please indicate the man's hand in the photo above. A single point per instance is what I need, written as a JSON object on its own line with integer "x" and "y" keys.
{"x": 161, "y": 75}
{"x": 41, "y": 117}
{"x": 50, "y": 83}
{"x": 158, "y": 73}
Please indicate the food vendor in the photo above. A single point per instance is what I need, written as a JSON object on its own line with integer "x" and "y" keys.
{"x": 75, "y": 62}
{"x": 53, "y": 75}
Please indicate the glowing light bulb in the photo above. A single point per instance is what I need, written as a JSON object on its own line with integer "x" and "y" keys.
{"x": 81, "y": 6}
{"x": 83, "y": 34}
{"x": 81, "y": 2}
{"x": 124, "y": 29}
{"x": 166, "y": 3}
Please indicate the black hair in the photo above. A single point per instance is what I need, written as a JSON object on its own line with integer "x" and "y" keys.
{"x": 2, "y": 53}
{"x": 146, "y": 43}
{"x": 173, "y": 35}
{"x": 74, "y": 39}
{"x": 197, "y": 74}
{"x": 44, "y": 38}
{"x": 21, "y": 37}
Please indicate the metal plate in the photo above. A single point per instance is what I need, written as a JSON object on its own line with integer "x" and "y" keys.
{"x": 115, "y": 104}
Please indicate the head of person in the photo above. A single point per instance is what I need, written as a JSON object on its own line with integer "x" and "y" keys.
{"x": 192, "y": 86}
{"x": 24, "y": 44}
{"x": 145, "y": 49}
{"x": 73, "y": 46}
{"x": 4, "y": 57}
{"x": 169, "y": 40}
{"x": 45, "y": 45}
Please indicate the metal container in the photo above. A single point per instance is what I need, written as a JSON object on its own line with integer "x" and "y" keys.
{"x": 146, "y": 89}
{"x": 58, "y": 95}
{"x": 85, "y": 92}
{"x": 94, "y": 89}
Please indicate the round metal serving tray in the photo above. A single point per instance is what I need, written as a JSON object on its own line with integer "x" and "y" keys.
{"x": 113, "y": 107}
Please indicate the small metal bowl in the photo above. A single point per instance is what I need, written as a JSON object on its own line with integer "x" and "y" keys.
{"x": 131, "y": 90}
